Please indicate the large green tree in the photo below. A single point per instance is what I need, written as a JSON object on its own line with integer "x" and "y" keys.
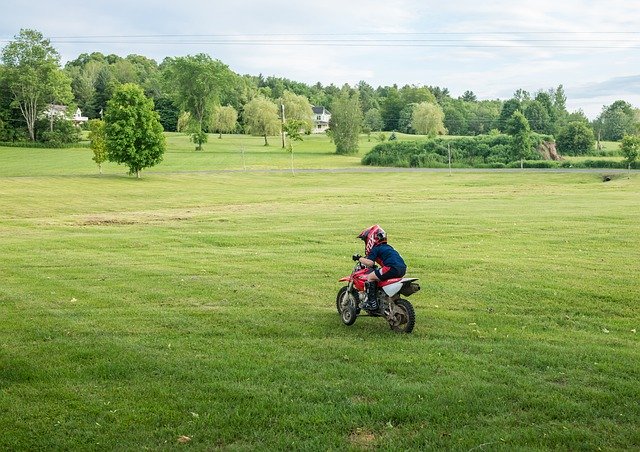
{"x": 538, "y": 117}
{"x": 576, "y": 138}
{"x": 261, "y": 117}
{"x": 616, "y": 121}
{"x": 391, "y": 108}
{"x": 132, "y": 129}
{"x": 346, "y": 121}
{"x": 373, "y": 120}
{"x": 428, "y": 119}
{"x": 298, "y": 108}
{"x": 630, "y": 148}
{"x": 224, "y": 120}
{"x": 518, "y": 127}
{"x": 196, "y": 84}
{"x": 32, "y": 70}
{"x": 508, "y": 109}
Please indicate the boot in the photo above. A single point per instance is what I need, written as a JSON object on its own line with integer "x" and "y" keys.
{"x": 371, "y": 302}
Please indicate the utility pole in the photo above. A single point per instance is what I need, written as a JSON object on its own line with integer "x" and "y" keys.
{"x": 282, "y": 125}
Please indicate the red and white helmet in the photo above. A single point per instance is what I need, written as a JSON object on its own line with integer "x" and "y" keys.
{"x": 372, "y": 236}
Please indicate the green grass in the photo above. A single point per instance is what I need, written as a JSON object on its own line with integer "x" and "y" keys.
{"x": 202, "y": 304}
{"x": 232, "y": 152}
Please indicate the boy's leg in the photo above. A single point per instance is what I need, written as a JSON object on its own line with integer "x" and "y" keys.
{"x": 371, "y": 302}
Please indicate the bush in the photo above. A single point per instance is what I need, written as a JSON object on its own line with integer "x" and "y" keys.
{"x": 576, "y": 138}
{"x": 64, "y": 132}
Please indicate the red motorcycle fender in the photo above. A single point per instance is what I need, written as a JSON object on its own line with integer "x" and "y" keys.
{"x": 346, "y": 278}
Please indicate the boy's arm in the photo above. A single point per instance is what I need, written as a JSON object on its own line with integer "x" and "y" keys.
{"x": 367, "y": 262}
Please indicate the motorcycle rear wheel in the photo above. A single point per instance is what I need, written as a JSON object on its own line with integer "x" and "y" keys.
{"x": 346, "y": 306}
{"x": 404, "y": 319}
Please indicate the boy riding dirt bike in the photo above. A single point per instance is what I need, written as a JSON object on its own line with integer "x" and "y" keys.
{"x": 378, "y": 251}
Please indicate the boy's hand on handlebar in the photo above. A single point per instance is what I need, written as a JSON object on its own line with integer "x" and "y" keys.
{"x": 356, "y": 257}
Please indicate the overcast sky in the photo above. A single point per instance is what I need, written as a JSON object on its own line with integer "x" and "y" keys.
{"x": 489, "y": 47}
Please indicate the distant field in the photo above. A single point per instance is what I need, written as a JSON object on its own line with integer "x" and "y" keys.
{"x": 200, "y": 306}
{"x": 232, "y": 152}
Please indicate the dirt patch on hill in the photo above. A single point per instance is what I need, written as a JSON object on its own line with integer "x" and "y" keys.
{"x": 132, "y": 218}
{"x": 548, "y": 151}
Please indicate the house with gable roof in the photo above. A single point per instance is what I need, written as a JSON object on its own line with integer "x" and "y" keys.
{"x": 321, "y": 117}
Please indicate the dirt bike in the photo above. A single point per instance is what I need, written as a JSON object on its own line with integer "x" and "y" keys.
{"x": 398, "y": 311}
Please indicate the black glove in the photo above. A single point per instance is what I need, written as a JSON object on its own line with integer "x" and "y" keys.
{"x": 355, "y": 257}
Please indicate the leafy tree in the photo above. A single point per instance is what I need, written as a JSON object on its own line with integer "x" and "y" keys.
{"x": 391, "y": 108}
{"x": 168, "y": 113}
{"x": 224, "y": 120}
{"x": 292, "y": 128}
{"x": 373, "y": 120}
{"x": 298, "y": 108}
{"x": 616, "y": 121}
{"x": 34, "y": 76}
{"x": 261, "y": 117}
{"x": 196, "y": 84}
{"x": 346, "y": 121}
{"x": 428, "y": 119}
{"x": 518, "y": 128}
{"x": 412, "y": 94}
{"x": 198, "y": 136}
{"x": 538, "y": 117}
{"x": 455, "y": 119}
{"x": 184, "y": 122}
{"x": 104, "y": 86}
{"x": 630, "y": 148}
{"x": 486, "y": 116}
{"x": 406, "y": 119}
{"x": 132, "y": 129}
{"x": 508, "y": 109}
{"x": 545, "y": 100}
{"x": 368, "y": 97}
{"x": 576, "y": 138}
{"x": 98, "y": 143}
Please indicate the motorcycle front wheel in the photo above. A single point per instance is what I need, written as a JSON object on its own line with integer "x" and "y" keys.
{"x": 404, "y": 319}
{"x": 339, "y": 298}
{"x": 346, "y": 306}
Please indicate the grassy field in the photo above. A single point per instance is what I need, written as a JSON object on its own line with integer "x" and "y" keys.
{"x": 196, "y": 309}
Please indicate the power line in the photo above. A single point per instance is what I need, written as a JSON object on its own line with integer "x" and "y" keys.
{"x": 500, "y": 39}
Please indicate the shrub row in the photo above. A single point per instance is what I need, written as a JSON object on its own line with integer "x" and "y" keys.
{"x": 40, "y": 145}
{"x": 477, "y": 151}
{"x": 482, "y": 151}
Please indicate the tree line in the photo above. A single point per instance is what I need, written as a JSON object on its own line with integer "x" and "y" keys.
{"x": 198, "y": 95}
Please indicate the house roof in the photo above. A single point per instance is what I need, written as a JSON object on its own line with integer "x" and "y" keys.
{"x": 320, "y": 111}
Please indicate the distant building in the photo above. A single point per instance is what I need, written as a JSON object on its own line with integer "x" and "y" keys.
{"x": 60, "y": 111}
{"x": 77, "y": 117}
{"x": 321, "y": 117}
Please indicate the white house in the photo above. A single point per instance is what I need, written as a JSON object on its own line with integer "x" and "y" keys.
{"x": 77, "y": 117}
{"x": 321, "y": 117}
{"x": 60, "y": 111}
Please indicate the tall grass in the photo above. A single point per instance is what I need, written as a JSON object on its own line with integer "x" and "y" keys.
{"x": 197, "y": 309}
